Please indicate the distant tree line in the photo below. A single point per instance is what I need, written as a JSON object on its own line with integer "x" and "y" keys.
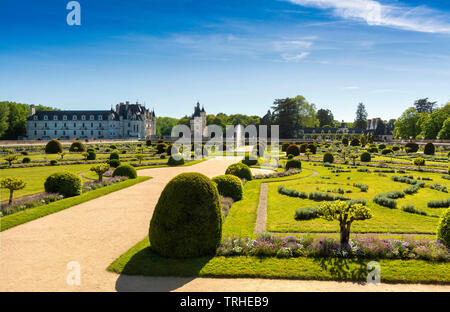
{"x": 13, "y": 117}
{"x": 424, "y": 120}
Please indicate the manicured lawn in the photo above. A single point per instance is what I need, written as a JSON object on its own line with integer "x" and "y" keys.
{"x": 140, "y": 260}
{"x": 35, "y": 177}
{"x": 24, "y": 216}
{"x": 281, "y": 208}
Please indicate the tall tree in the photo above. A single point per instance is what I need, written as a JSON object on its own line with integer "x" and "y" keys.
{"x": 406, "y": 126}
{"x": 286, "y": 114}
{"x": 424, "y": 106}
{"x": 361, "y": 117}
{"x": 325, "y": 117}
{"x": 4, "y": 113}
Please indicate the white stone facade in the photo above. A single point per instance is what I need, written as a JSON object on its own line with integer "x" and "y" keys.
{"x": 127, "y": 121}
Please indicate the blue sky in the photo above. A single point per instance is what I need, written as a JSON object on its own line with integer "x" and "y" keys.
{"x": 232, "y": 56}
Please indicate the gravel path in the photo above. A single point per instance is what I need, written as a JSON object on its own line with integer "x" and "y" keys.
{"x": 35, "y": 256}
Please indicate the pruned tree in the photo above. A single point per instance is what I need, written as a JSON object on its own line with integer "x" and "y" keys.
{"x": 346, "y": 214}
{"x": 12, "y": 184}
{"x": 100, "y": 170}
{"x": 10, "y": 159}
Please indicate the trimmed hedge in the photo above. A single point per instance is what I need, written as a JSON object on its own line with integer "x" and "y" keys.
{"x": 293, "y": 163}
{"x": 229, "y": 185}
{"x": 293, "y": 149}
{"x": 240, "y": 170}
{"x": 443, "y": 230}
{"x": 187, "y": 221}
{"x": 53, "y": 147}
{"x": 385, "y": 201}
{"x": 77, "y": 146}
{"x": 306, "y": 213}
{"x": 328, "y": 158}
{"x": 91, "y": 155}
{"x": 125, "y": 171}
{"x": 65, "y": 183}
{"x": 173, "y": 162}
{"x": 413, "y": 147}
{"x": 429, "y": 149}
{"x": 114, "y": 163}
{"x": 26, "y": 160}
{"x": 365, "y": 157}
{"x": 114, "y": 155}
{"x": 440, "y": 203}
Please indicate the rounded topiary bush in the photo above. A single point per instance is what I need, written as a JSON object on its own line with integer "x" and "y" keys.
{"x": 250, "y": 160}
{"x": 284, "y": 146}
{"x": 26, "y": 160}
{"x": 114, "y": 155}
{"x": 53, "y": 147}
{"x": 148, "y": 142}
{"x": 328, "y": 158}
{"x": 345, "y": 141}
{"x": 125, "y": 171}
{"x": 312, "y": 147}
{"x": 229, "y": 185}
{"x": 429, "y": 149}
{"x": 53, "y": 162}
{"x": 355, "y": 142}
{"x": 386, "y": 151}
{"x": 293, "y": 163}
{"x": 382, "y": 146}
{"x": 175, "y": 162}
{"x": 411, "y": 147}
{"x": 372, "y": 150}
{"x": 303, "y": 147}
{"x": 91, "y": 155}
{"x": 161, "y": 148}
{"x": 187, "y": 221}
{"x": 77, "y": 146}
{"x": 65, "y": 183}
{"x": 443, "y": 230}
{"x": 293, "y": 149}
{"x": 240, "y": 170}
{"x": 395, "y": 148}
{"x": 365, "y": 157}
{"x": 114, "y": 163}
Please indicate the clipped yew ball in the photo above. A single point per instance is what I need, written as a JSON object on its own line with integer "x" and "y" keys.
{"x": 229, "y": 185}
{"x": 125, "y": 171}
{"x": 293, "y": 149}
{"x": 77, "y": 146}
{"x": 65, "y": 183}
{"x": 240, "y": 170}
{"x": 187, "y": 221}
{"x": 328, "y": 158}
{"x": 53, "y": 147}
{"x": 293, "y": 164}
{"x": 429, "y": 149}
{"x": 365, "y": 157}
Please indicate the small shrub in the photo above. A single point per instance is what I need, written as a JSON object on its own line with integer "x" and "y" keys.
{"x": 240, "y": 170}
{"x": 293, "y": 163}
{"x": 412, "y": 189}
{"x": 114, "y": 155}
{"x": 26, "y": 160}
{"x": 386, "y": 151}
{"x": 328, "y": 158}
{"x": 91, "y": 155}
{"x": 382, "y": 200}
{"x": 382, "y": 146}
{"x": 365, "y": 157}
{"x": 440, "y": 203}
{"x": 125, "y": 171}
{"x": 250, "y": 160}
{"x": 307, "y": 213}
{"x": 292, "y": 193}
{"x": 65, "y": 183}
{"x": 161, "y": 148}
{"x": 114, "y": 163}
{"x": 53, "y": 147}
{"x": 290, "y": 156}
{"x": 53, "y": 162}
{"x": 172, "y": 161}
{"x": 229, "y": 186}
{"x": 77, "y": 146}
{"x": 355, "y": 142}
{"x": 411, "y": 147}
{"x": 429, "y": 149}
{"x": 412, "y": 209}
{"x": 443, "y": 230}
{"x": 362, "y": 187}
{"x": 293, "y": 149}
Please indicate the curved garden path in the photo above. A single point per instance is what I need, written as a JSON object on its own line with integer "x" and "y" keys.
{"x": 34, "y": 256}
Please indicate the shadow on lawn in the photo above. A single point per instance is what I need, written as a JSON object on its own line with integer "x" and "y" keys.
{"x": 147, "y": 271}
{"x": 345, "y": 269}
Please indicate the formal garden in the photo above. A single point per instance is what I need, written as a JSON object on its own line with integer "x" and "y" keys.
{"x": 323, "y": 211}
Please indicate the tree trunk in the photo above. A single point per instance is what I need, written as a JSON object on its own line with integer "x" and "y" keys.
{"x": 10, "y": 197}
{"x": 100, "y": 177}
{"x": 345, "y": 235}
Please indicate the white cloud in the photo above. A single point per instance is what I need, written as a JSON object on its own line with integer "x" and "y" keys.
{"x": 351, "y": 88}
{"x": 420, "y": 19}
{"x": 294, "y": 58}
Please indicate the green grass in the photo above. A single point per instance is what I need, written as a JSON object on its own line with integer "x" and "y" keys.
{"x": 35, "y": 177}
{"x": 24, "y": 216}
{"x": 140, "y": 260}
{"x": 281, "y": 208}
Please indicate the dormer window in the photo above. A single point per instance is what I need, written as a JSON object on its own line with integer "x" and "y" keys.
{"x": 65, "y": 117}
{"x": 91, "y": 117}
{"x": 45, "y": 117}
{"x": 35, "y": 117}
{"x": 74, "y": 117}
{"x": 55, "y": 117}
{"x": 100, "y": 117}
{"x": 83, "y": 117}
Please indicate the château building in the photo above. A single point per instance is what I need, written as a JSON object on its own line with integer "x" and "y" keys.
{"x": 127, "y": 121}
{"x": 198, "y": 121}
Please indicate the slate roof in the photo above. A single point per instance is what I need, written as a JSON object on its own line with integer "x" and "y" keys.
{"x": 70, "y": 113}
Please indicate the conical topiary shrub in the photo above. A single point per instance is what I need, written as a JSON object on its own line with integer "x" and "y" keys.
{"x": 187, "y": 221}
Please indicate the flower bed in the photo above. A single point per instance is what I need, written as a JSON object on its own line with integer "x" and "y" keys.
{"x": 307, "y": 246}
{"x": 275, "y": 174}
{"x": 40, "y": 199}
